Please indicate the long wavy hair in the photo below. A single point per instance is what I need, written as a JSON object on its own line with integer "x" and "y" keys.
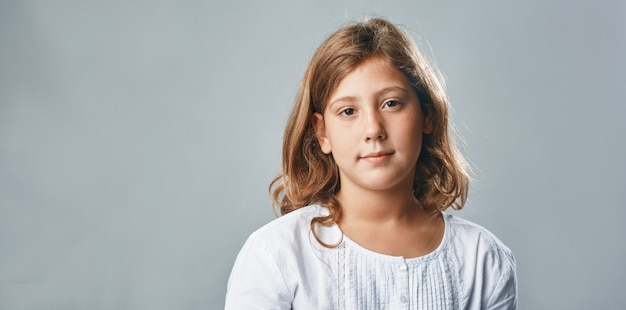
{"x": 309, "y": 176}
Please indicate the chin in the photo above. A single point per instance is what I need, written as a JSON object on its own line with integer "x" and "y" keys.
{"x": 380, "y": 186}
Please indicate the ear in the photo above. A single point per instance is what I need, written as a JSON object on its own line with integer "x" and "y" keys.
{"x": 320, "y": 132}
{"x": 428, "y": 125}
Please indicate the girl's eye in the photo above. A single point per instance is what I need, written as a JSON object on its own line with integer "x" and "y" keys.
{"x": 391, "y": 103}
{"x": 347, "y": 112}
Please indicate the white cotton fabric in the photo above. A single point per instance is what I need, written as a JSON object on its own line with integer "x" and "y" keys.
{"x": 282, "y": 266}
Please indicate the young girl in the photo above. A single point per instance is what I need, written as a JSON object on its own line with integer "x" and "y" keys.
{"x": 369, "y": 166}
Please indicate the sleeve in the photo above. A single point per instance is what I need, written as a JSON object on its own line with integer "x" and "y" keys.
{"x": 256, "y": 281}
{"x": 504, "y": 293}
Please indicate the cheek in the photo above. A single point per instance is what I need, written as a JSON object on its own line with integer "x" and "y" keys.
{"x": 412, "y": 136}
{"x": 411, "y": 128}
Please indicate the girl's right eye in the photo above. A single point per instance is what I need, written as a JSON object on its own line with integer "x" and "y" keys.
{"x": 347, "y": 112}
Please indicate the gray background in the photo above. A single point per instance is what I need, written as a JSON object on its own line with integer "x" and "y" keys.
{"x": 137, "y": 140}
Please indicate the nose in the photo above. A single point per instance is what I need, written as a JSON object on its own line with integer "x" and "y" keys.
{"x": 374, "y": 127}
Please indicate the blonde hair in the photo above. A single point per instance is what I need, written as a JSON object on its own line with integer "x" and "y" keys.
{"x": 310, "y": 176}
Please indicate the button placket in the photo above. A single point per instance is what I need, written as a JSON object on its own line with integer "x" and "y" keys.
{"x": 403, "y": 285}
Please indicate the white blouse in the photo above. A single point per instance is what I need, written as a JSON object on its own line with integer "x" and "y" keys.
{"x": 282, "y": 266}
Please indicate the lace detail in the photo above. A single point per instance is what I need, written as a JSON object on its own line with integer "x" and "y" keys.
{"x": 376, "y": 281}
{"x": 341, "y": 276}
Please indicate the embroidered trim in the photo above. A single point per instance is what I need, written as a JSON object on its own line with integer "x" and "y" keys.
{"x": 341, "y": 276}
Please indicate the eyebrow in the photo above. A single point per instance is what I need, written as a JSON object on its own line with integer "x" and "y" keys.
{"x": 382, "y": 91}
{"x": 344, "y": 98}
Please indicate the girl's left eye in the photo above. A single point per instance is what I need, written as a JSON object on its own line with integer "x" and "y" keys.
{"x": 391, "y": 103}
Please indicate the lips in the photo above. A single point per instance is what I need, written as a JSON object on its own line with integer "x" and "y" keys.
{"x": 377, "y": 157}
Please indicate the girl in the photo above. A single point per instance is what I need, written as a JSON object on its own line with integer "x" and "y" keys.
{"x": 369, "y": 166}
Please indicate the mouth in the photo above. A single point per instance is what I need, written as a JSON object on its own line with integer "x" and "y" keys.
{"x": 377, "y": 157}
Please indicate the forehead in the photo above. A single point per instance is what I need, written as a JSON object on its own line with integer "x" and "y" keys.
{"x": 369, "y": 78}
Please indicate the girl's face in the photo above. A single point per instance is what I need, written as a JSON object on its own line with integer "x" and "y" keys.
{"x": 373, "y": 127}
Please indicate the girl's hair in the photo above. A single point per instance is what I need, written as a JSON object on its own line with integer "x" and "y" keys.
{"x": 310, "y": 176}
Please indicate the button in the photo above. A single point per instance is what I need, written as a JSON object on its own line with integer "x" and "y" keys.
{"x": 403, "y": 267}
{"x": 404, "y": 299}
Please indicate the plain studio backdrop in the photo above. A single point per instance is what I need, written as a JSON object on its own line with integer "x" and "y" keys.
{"x": 138, "y": 138}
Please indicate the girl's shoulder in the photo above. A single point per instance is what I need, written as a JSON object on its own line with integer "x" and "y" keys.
{"x": 468, "y": 230}
{"x": 269, "y": 266}
{"x": 465, "y": 236}
{"x": 291, "y": 226}
{"x": 487, "y": 267}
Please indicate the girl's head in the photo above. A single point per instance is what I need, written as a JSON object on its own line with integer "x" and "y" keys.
{"x": 311, "y": 176}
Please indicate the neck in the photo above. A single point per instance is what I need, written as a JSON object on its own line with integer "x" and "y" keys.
{"x": 377, "y": 207}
